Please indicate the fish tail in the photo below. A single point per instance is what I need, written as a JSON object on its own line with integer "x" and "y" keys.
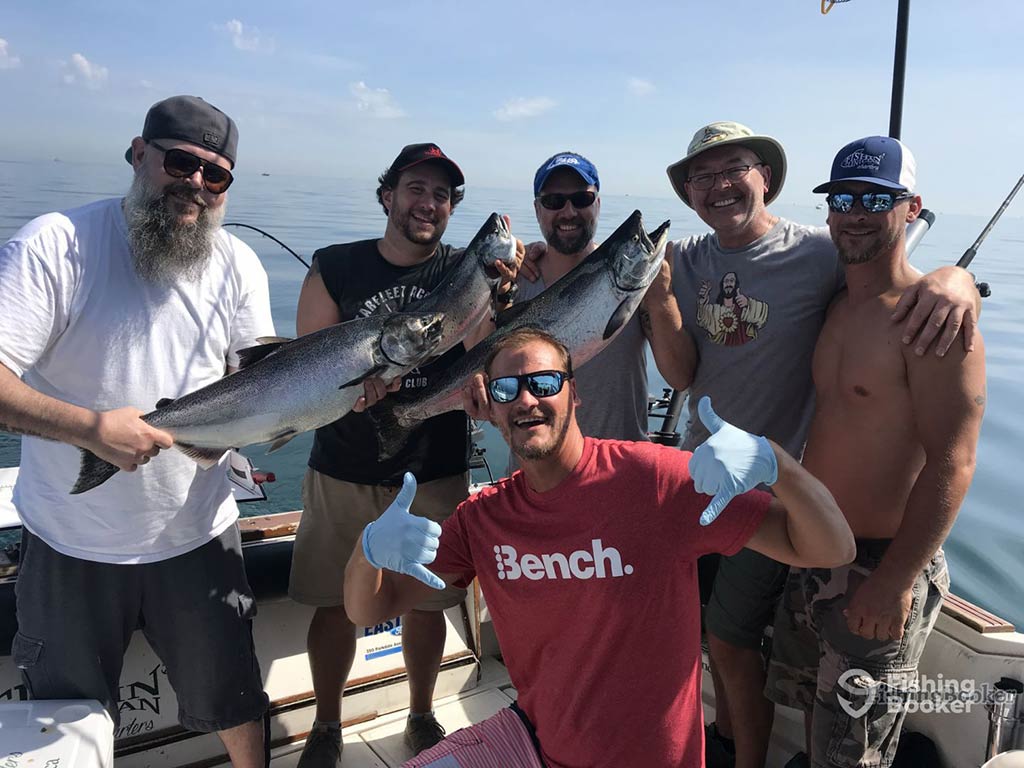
{"x": 93, "y": 471}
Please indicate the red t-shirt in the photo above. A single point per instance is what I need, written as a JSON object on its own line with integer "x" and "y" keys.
{"x": 593, "y": 590}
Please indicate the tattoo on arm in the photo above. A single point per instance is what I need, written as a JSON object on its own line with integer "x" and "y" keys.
{"x": 980, "y": 400}
{"x": 645, "y": 322}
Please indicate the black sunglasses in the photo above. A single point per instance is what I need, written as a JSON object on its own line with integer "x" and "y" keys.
{"x": 555, "y": 201}
{"x": 181, "y": 164}
{"x": 505, "y": 389}
{"x": 872, "y": 202}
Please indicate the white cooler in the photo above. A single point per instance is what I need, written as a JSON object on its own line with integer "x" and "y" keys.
{"x": 47, "y": 734}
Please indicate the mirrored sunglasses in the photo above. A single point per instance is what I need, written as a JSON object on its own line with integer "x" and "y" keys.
{"x": 505, "y": 389}
{"x": 181, "y": 164}
{"x": 872, "y": 202}
{"x": 555, "y": 201}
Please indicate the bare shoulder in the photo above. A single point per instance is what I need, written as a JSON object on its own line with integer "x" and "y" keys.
{"x": 316, "y": 309}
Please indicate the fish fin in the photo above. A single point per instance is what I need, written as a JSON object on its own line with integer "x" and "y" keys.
{"x": 359, "y": 379}
{"x": 618, "y": 319}
{"x": 250, "y": 355}
{"x": 391, "y": 435}
{"x": 93, "y": 471}
{"x": 273, "y": 339}
{"x": 163, "y": 402}
{"x": 281, "y": 440}
{"x": 510, "y": 315}
{"x": 205, "y": 457}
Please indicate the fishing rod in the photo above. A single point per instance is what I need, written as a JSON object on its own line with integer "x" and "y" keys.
{"x": 267, "y": 234}
{"x": 899, "y": 69}
{"x": 971, "y": 252}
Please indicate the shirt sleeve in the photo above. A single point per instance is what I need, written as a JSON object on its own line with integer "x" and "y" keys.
{"x": 454, "y": 557}
{"x": 34, "y": 309}
{"x": 252, "y": 317}
{"x": 730, "y": 531}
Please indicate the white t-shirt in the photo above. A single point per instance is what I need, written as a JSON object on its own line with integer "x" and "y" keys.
{"x": 78, "y": 324}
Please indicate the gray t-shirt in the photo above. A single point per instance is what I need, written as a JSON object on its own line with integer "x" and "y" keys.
{"x": 612, "y": 386}
{"x": 754, "y": 314}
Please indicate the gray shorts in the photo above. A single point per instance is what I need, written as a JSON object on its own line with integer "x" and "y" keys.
{"x": 76, "y": 618}
{"x": 747, "y": 588}
{"x": 334, "y": 514}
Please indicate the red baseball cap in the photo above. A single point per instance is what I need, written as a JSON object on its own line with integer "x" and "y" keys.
{"x": 414, "y": 154}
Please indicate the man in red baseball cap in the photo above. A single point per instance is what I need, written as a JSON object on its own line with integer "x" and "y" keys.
{"x": 348, "y": 483}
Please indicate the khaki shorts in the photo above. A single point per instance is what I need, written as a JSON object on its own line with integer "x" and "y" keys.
{"x": 334, "y": 514}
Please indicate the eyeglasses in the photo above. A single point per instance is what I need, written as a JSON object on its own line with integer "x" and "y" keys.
{"x": 505, "y": 389}
{"x": 707, "y": 180}
{"x": 181, "y": 164}
{"x": 555, "y": 201}
{"x": 872, "y": 202}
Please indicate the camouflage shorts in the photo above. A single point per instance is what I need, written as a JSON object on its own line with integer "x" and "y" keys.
{"x": 851, "y": 684}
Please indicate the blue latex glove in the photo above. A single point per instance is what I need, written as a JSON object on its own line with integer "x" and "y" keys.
{"x": 403, "y": 542}
{"x": 729, "y": 462}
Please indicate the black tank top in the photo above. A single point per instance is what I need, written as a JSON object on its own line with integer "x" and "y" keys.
{"x": 363, "y": 283}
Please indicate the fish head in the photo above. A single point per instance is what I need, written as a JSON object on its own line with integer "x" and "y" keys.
{"x": 636, "y": 256}
{"x": 493, "y": 243}
{"x": 409, "y": 338}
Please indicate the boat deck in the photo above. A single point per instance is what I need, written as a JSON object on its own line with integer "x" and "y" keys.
{"x": 378, "y": 743}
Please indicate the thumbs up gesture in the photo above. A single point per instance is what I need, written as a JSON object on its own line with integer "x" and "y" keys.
{"x": 402, "y": 542}
{"x": 729, "y": 462}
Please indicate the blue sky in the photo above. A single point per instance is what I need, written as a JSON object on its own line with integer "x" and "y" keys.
{"x": 337, "y": 88}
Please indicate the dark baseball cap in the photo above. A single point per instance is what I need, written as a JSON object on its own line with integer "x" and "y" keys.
{"x": 879, "y": 160}
{"x": 414, "y": 154}
{"x": 191, "y": 119}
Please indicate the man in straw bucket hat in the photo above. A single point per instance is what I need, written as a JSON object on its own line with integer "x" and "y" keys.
{"x": 753, "y": 294}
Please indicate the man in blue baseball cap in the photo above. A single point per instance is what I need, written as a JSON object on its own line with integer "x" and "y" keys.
{"x": 754, "y": 338}
{"x": 893, "y": 438}
{"x": 613, "y": 385}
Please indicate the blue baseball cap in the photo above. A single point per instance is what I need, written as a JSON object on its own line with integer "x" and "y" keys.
{"x": 878, "y": 160}
{"x": 571, "y": 160}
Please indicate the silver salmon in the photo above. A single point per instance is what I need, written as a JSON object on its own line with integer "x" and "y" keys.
{"x": 584, "y": 310}
{"x": 286, "y": 387}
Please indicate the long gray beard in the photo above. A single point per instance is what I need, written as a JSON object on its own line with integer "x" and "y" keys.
{"x": 163, "y": 250}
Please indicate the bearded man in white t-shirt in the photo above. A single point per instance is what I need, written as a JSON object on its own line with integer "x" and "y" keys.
{"x": 109, "y": 308}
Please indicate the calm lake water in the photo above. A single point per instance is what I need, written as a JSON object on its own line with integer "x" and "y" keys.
{"x": 986, "y": 546}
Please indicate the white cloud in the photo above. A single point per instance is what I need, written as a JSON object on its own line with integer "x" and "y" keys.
{"x": 81, "y": 70}
{"x": 246, "y": 39}
{"x": 7, "y": 60}
{"x": 518, "y": 109}
{"x": 640, "y": 87}
{"x": 376, "y": 102}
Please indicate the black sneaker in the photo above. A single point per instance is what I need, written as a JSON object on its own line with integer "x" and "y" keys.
{"x": 323, "y": 748}
{"x": 719, "y": 752}
{"x": 422, "y": 733}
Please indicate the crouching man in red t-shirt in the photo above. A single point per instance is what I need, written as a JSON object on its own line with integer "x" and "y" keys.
{"x": 591, "y": 543}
